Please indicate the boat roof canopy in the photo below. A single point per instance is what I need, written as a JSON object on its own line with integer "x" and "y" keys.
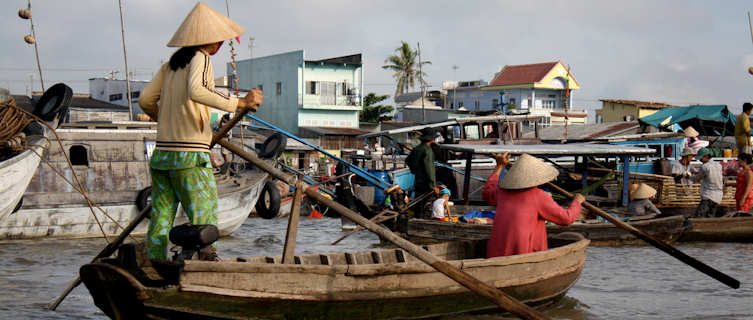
{"x": 708, "y": 120}
{"x": 456, "y": 121}
{"x": 570, "y": 149}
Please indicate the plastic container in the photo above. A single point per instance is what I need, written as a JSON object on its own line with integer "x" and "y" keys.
{"x": 379, "y": 193}
{"x": 728, "y": 153}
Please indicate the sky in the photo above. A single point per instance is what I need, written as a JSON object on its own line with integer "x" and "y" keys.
{"x": 677, "y": 52}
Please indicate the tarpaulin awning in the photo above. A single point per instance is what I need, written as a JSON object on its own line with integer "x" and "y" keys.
{"x": 707, "y": 120}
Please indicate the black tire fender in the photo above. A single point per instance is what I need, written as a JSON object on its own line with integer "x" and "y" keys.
{"x": 54, "y": 102}
{"x": 271, "y": 193}
{"x": 143, "y": 199}
{"x": 273, "y": 146}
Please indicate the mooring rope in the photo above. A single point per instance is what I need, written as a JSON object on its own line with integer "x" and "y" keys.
{"x": 78, "y": 186}
{"x": 12, "y": 123}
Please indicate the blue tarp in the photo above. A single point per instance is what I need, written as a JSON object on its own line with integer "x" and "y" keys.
{"x": 477, "y": 214}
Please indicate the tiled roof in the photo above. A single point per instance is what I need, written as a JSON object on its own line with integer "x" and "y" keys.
{"x": 523, "y": 74}
{"x": 640, "y": 104}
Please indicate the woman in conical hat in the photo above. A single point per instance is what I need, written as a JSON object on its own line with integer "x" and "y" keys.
{"x": 523, "y": 208}
{"x": 640, "y": 204}
{"x": 181, "y": 169}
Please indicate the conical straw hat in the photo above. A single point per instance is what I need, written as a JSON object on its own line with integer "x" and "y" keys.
{"x": 690, "y": 132}
{"x": 643, "y": 192}
{"x": 528, "y": 172}
{"x": 204, "y": 25}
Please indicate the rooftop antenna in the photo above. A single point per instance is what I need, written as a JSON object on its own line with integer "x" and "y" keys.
{"x": 32, "y": 39}
{"x": 125, "y": 58}
{"x": 455, "y": 87}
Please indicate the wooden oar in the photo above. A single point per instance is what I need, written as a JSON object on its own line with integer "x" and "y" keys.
{"x": 113, "y": 246}
{"x": 661, "y": 245}
{"x": 483, "y": 289}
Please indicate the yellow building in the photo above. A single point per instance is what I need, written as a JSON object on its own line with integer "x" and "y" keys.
{"x": 613, "y": 110}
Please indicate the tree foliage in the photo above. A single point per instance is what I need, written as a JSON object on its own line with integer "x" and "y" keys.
{"x": 405, "y": 66}
{"x": 372, "y": 112}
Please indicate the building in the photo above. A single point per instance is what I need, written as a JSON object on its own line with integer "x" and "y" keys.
{"x": 542, "y": 88}
{"x": 301, "y": 93}
{"x": 114, "y": 91}
{"x": 411, "y": 107}
{"x": 469, "y": 96}
{"x": 613, "y": 110}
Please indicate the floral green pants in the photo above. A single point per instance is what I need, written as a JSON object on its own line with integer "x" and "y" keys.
{"x": 194, "y": 188}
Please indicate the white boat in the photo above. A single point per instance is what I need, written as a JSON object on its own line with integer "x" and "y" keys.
{"x": 16, "y": 173}
{"x": 111, "y": 162}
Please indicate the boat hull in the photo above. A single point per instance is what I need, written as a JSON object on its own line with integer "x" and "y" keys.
{"x": 77, "y": 221}
{"x": 16, "y": 173}
{"x": 737, "y": 229}
{"x": 360, "y": 288}
{"x": 668, "y": 229}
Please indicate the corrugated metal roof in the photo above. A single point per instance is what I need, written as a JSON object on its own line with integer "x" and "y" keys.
{"x": 585, "y": 131}
{"x": 641, "y": 104}
{"x": 335, "y": 131}
{"x": 551, "y": 149}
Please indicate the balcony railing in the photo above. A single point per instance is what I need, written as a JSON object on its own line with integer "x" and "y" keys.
{"x": 328, "y": 100}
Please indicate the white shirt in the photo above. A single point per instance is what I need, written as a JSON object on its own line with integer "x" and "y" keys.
{"x": 679, "y": 169}
{"x": 437, "y": 209}
{"x": 712, "y": 183}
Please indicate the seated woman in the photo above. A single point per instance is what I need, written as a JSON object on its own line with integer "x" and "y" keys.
{"x": 640, "y": 203}
{"x": 523, "y": 208}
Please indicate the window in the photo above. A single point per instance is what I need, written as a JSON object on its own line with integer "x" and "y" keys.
{"x": 79, "y": 156}
{"x": 310, "y": 87}
{"x": 549, "y": 104}
{"x": 135, "y": 94}
{"x": 495, "y": 103}
{"x": 115, "y": 97}
{"x": 260, "y": 87}
{"x": 278, "y": 88}
{"x": 471, "y": 131}
{"x": 512, "y": 101}
{"x": 344, "y": 88}
{"x": 460, "y": 104}
{"x": 476, "y": 104}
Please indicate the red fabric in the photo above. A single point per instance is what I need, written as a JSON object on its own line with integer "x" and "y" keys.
{"x": 519, "y": 225}
{"x": 739, "y": 189}
{"x": 315, "y": 214}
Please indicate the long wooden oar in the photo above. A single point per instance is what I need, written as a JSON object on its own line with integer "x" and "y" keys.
{"x": 661, "y": 245}
{"x": 483, "y": 289}
{"x": 113, "y": 246}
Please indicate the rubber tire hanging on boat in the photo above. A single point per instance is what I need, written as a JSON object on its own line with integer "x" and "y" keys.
{"x": 270, "y": 190}
{"x": 54, "y": 102}
{"x": 273, "y": 146}
{"x": 143, "y": 199}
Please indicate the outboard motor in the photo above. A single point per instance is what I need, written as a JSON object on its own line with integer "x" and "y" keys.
{"x": 192, "y": 239}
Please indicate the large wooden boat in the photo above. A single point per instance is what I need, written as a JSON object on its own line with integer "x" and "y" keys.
{"x": 111, "y": 162}
{"x": 16, "y": 173}
{"x": 383, "y": 284}
{"x": 735, "y": 229}
{"x": 668, "y": 229}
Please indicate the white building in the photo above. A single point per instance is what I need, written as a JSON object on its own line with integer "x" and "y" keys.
{"x": 114, "y": 91}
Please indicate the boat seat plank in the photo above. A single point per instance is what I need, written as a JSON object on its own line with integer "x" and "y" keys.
{"x": 273, "y": 260}
{"x": 337, "y": 258}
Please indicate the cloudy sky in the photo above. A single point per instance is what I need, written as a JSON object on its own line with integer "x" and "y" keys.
{"x": 680, "y": 52}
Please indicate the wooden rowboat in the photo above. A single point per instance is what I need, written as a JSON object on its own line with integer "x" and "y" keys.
{"x": 381, "y": 284}
{"x": 668, "y": 229}
{"x": 736, "y": 229}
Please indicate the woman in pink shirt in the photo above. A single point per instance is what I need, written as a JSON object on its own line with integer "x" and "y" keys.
{"x": 523, "y": 208}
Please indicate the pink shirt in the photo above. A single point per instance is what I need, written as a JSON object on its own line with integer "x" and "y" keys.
{"x": 519, "y": 226}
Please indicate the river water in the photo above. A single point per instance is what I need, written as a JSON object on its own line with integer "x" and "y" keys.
{"x": 617, "y": 283}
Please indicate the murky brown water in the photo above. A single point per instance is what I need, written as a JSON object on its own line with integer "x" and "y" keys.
{"x": 617, "y": 283}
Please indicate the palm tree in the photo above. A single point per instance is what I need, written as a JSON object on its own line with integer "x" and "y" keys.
{"x": 406, "y": 68}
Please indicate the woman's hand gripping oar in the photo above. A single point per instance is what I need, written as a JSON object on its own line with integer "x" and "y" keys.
{"x": 249, "y": 103}
{"x": 661, "y": 245}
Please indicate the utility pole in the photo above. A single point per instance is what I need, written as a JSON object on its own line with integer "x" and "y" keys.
{"x": 125, "y": 58}
{"x": 421, "y": 79}
{"x": 454, "y": 89}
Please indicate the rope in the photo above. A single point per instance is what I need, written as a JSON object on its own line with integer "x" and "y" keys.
{"x": 12, "y": 123}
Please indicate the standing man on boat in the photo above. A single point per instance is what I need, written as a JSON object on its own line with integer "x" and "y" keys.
{"x": 180, "y": 166}
{"x": 712, "y": 184}
{"x": 742, "y": 129}
{"x": 421, "y": 163}
{"x": 681, "y": 168}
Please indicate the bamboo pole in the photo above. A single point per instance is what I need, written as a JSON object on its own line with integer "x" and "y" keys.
{"x": 292, "y": 231}
{"x": 483, "y": 289}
